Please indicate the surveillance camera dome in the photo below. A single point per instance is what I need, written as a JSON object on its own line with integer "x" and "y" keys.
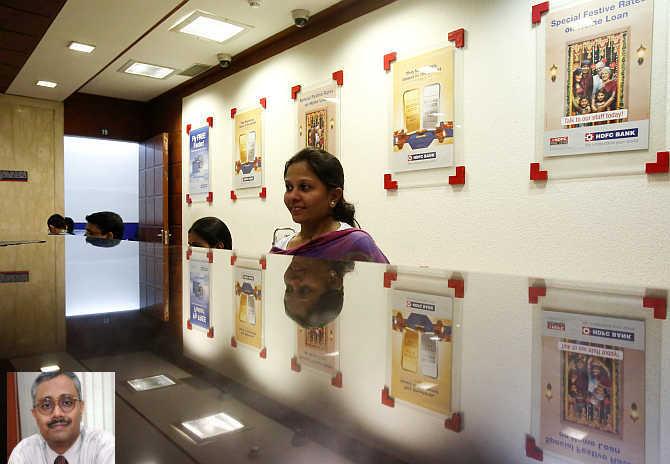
{"x": 224, "y": 59}
{"x": 300, "y": 17}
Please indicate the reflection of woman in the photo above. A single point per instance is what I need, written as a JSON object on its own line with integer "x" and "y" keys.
{"x": 210, "y": 232}
{"x": 314, "y": 195}
{"x": 314, "y": 290}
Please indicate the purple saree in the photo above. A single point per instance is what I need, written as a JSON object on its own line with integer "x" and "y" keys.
{"x": 344, "y": 245}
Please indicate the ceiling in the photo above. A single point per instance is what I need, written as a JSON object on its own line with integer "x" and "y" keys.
{"x": 122, "y": 30}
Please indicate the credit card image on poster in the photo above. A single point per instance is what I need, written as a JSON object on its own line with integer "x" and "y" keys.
{"x": 410, "y": 107}
{"x": 429, "y": 355}
{"x": 430, "y": 106}
{"x": 243, "y": 148}
{"x": 410, "y": 350}
{"x": 251, "y": 145}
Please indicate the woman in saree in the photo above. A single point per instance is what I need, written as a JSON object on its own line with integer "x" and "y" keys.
{"x": 315, "y": 198}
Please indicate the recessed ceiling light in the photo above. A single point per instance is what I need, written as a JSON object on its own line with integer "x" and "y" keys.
{"x": 208, "y": 26}
{"x": 81, "y": 47}
{"x": 49, "y": 84}
{"x": 151, "y": 383}
{"x": 51, "y": 368}
{"x": 145, "y": 69}
{"x": 208, "y": 427}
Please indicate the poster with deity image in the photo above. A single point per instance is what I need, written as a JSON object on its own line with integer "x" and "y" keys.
{"x": 248, "y": 294}
{"x": 423, "y": 112}
{"x": 248, "y": 168}
{"x": 598, "y": 78}
{"x": 593, "y": 378}
{"x": 318, "y": 117}
{"x": 421, "y": 345}
{"x": 318, "y": 348}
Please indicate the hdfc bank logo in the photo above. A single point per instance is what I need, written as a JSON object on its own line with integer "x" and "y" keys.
{"x": 558, "y": 140}
{"x": 589, "y": 137}
{"x": 552, "y": 325}
{"x": 586, "y": 331}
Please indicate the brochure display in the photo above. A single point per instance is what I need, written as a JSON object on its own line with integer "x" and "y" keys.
{"x": 423, "y": 112}
{"x": 318, "y": 348}
{"x": 199, "y": 291}
{"x": 249, "y": 152}
{"x": 248, "y": 296}
{"x": 318, "y": 117}
{"x": 199, "y": 163}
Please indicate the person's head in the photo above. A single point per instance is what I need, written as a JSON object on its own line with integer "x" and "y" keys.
{"x": 56, "y": 224}
{"x": 599, "y": 66}
{"x": 606, "y": 73}
{"x": 69, "y": 223}
{"x": 577, "y": 75}
{"x": 586, "y": 66}
{"x": 210, "y": 232}
{"x": 104, "y": 224}
{"x": 583, "y": 102}
{"x": 315, "y": 188}
{"x": 57, "y": 408}
{"x": 601, "y": 96}
{"x": 314, "y": 292}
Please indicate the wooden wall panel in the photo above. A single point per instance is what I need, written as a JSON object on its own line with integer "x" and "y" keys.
{"x": 89, "y": 115}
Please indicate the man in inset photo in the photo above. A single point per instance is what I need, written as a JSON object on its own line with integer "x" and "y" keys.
{"x": 58, "y": 407}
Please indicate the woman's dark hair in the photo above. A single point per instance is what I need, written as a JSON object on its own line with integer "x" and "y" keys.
{"x": 213, "y": 231}
{"x": 329, "y": 171}
{"x": 57, "y": 221}
{"x": 69, "y": 223}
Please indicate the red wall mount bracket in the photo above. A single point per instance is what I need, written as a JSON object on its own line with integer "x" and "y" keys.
{"x": 295, "y": 365}
{"x": 658, "y": 305}
{"x": 534, "y": 293}
{"x": 387, "y": 400}
{"x": 459, "y": 287}
{"x": 294, "y": 91}
{"x": 189, "y": 252}
{"x": 263, "y": 353}
{"x": 210, "y": 332}
{"x": 188, "y": 128}
{"x": 263, "y": 263}
{"x": 662, "y": 164}
{"x": 455, "y": 422}
{"x": 233, "y": 260}
{"x": 389, "y": 183}
{"x": 189, "y": 326}
{"x": 536, "y": 174}
{"x": 263, "y": 102}
{"x": 458, "y": 37}
{"x": 210, "y": 197}
{"x": 233, "y": 195}
{"x": 459, "y": 177}
{"x": 338, "y": 76}
{"x": 210, "y": 256}
{"x": 210, "y": 121}
{"x": 389, "y": 276}
{"x": 189, "y": 200}
{"x": 263, "y": 193}
{"x": 233, "y": 112}
{"x": 388, "y": 59}
{"x": 532, "y": 450}
{"x": 537, "y": 12}
{"x": 233, "y": 342}
{"x": 337, "y": 380}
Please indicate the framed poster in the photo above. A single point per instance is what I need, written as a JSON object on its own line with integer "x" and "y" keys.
{"x": 318, "y": 117}
{"x": 199, "y": 292}
{"x": 593, "y": 387}
{"x": 421, "y": 349}
{"x": 199, "y": 168}
{"x": 597, "y": 79}
{"x": 248, "y": 292}
{"x": 423, "y": 112}
{"x": 248, "y": 169}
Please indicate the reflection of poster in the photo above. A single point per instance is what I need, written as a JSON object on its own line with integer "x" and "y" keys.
{"x": 593, "y": 371}
{"x": 199, "y": 291}
{"x": 199, "y": 160}
{"x": 598, "y": 78}
{"x": 421, "y": 349}
{"x": 318, "y": 118}
{"x": 248, "y": 170}
{"x": 248, "y": 307}
{"x": 423, "y": 111}
{"x": 318, "y": 347}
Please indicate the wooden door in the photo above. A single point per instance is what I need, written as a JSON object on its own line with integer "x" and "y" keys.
{"x": 153, "y": 226}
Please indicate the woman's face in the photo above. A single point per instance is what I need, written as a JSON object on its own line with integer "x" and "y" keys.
{"x": 600, "y": 96}
{"x": 307, "y": 198}
{"x": 605, "y": 75}
{"x": 306, "y": 280}
{"x": 196, "y": 240}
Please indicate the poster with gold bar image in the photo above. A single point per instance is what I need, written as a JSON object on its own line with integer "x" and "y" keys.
{"x": 421, "y": 349}
{"x": 248, "y": 159}
{"x": 423, "y": 112}
{"x": 318, "y": 113}
{"x": 248, "y": 296}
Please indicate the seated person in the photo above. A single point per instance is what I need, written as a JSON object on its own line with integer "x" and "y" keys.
{"x": 57, "y": 409}
{"x": 210, "y": 232}
{"x": 57, "y": 225}
{"x": 105, "y": 225}
{"x": 314, "y": 196}
{"x": 70, "y": 225}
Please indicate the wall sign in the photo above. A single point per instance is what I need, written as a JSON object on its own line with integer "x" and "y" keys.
{"x": 13, "y": 176}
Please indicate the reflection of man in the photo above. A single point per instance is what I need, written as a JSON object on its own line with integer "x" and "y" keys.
{"x": 104, "y": 224}
{"x": 57, "y": 409}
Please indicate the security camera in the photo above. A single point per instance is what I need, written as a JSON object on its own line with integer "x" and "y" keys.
{"x": 224, "y": 59}
{"x": 300, "y": 17}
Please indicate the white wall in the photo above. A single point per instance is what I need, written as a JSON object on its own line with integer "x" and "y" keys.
{"x": 101, "y": 175}
{"x": 601, "y": 229}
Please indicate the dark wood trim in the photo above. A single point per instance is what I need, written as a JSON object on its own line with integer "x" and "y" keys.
{"x": 320, "y": 23}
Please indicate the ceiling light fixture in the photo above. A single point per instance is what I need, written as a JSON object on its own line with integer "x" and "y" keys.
{"x": 49, "y": 84}
{"x": 51, "y": 368}
{"x": 146, "y": 69}
{"x": 208, "y": 26}
{"x": 81, "y": 47}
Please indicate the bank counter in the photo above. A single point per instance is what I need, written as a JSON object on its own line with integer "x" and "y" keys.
{"x": 274, "y": 359}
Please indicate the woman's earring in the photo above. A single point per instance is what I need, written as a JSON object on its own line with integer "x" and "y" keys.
{"x": 332, "y": 204}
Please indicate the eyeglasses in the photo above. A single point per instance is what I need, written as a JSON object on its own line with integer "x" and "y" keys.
{"x": 65, "y": 402}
